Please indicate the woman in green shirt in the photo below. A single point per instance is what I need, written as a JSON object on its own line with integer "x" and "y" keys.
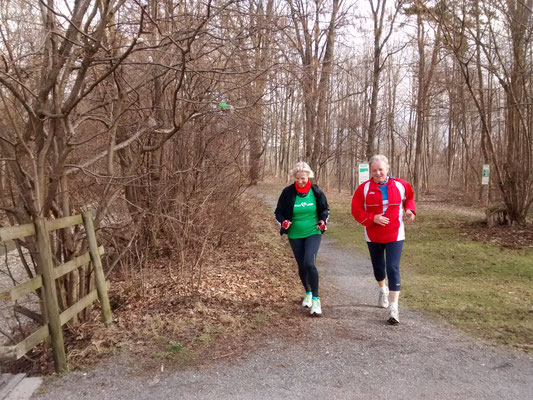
{"x": 303, "y": 213}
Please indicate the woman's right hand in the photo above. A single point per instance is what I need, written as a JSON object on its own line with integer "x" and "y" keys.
{"x": 285, "y": 224}
{"x": 380, "y": 219}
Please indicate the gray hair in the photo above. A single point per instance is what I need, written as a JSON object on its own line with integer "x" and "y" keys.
{"x": 379, "y": 157}
{"x": 302, "y": 166}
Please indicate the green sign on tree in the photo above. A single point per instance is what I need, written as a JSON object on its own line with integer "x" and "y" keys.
{"x": 485, "y": 174}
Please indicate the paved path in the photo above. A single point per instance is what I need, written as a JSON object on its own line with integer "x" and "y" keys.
{"x": 349, "y": 353}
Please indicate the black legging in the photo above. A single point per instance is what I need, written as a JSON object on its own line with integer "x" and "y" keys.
{"x": 305, "y": 251}
{"x": 386, "y": 262}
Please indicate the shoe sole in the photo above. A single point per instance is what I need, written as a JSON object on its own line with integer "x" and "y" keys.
{"x": 316, "y": 315}
{"x": 393, "y": 321}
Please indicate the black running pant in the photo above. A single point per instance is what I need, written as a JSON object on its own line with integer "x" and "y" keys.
{"x": 386, "y": 262}
{"x": 305, "y": 251}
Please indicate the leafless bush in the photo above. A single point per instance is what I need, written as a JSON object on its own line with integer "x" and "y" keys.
{"x": 179, "y": 213}
{"x": 113, "y": 105}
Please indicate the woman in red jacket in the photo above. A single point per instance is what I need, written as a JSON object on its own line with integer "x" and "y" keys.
{"x": 379, "y": 204}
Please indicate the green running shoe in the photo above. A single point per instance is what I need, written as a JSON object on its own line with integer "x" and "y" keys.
{"x": 316, "y": 309}
{"x": 308, "y": 300}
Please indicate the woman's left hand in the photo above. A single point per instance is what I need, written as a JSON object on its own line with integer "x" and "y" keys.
{"x": 321, "y": 225}
{"x": 410, "y": 215}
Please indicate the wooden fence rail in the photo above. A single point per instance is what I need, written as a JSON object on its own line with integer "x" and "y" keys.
{"x": 46, "y": 280}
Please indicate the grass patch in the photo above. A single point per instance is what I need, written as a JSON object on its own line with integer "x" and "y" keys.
{"x": 178, "y": 354}
{"x": 174, "y": 347}
{"x": 480, "y": 287}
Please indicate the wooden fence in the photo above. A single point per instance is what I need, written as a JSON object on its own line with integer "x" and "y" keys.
{"x": 49, "y": 273}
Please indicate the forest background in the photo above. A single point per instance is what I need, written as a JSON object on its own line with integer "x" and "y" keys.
{"x": 158, "y": 115}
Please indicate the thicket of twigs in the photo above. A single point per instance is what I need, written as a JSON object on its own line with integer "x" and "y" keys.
{"x": 115, "y": 106}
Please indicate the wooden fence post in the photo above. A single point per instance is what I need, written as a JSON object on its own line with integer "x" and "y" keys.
{"x": 98, "y": 269}
{"x": 50, "y": 295}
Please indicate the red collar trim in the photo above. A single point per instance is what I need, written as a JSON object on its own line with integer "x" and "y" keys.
{"x": 305, "y": 189}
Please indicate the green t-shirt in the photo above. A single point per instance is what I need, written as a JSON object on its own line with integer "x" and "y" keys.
{"x": 304, "y": 218}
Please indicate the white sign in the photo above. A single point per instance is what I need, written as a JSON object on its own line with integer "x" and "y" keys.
{"x": 485, "y": 174}
{"x": 364, "y": 173}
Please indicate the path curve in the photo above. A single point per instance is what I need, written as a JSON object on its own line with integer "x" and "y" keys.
{"x": 349, "y": 353}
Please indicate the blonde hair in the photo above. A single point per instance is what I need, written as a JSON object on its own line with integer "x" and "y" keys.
{"x": 379, "y": 157}
{"x": 302, "y": 166}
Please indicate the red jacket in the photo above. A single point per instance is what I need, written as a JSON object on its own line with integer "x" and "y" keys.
{"x": 367, "y": 201}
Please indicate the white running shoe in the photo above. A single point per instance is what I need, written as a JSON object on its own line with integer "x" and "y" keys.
{"x": 394, "y": 316}
{"x": 316, "y": 309}
{"x": 308, "y": 300}
{"x": 383, "y": 300}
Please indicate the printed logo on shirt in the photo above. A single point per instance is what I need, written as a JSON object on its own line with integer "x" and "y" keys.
{"x": 304, "y": 204}
{"x": 371, "y": 192}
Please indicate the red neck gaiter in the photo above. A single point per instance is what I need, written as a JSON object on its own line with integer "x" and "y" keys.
{"x": 304, "y": 189}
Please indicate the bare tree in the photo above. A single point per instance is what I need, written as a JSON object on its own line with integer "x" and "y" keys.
{"x": 113, "y": 105}
{"x": 316, "y": 56}
{"x": 260, "y": 21}
{"x": 424, "y": 80}
{"x": 382, "y": 34}
{"x": 507, "y": 63}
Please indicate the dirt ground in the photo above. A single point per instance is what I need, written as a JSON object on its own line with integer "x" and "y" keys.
{"x": 348, "y": 353}
{"x": 475, "y": 227}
